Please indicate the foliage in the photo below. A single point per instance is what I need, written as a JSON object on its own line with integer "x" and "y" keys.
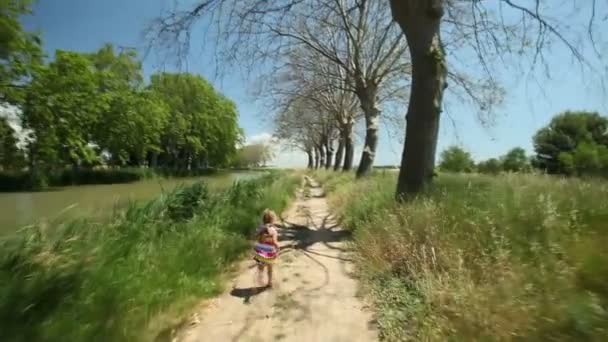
{"x": 254, "y": 155}
{"x": 120, "y": 280}
{"x": 11, "y": 157}
{"x": 481, "y": 258}
{"x": 85, "y": 109}
{"x": 573, "y": 143}
{"x": 62, "y": 107}
{"x": 132, "y": 125}
{"x": 455, "y": 159}
{"x": 588, "y": 159}
{"x": 515, "y": 160}
{"x": 204, "y": 125}
{"x": 491, "y": 166}
{"x": 20, "y": 51}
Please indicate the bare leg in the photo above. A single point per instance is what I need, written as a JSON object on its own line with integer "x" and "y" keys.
{"x": 269, "y": 275}
{"x": 260, "y": 275}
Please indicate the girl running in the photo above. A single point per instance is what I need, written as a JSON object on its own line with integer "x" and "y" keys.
{"x": 267, "y": 246}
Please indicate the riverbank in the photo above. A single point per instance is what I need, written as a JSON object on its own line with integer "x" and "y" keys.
{"x": 481, "y": 258}
{"x": 16, "y": 181}
{"x": 97, "y": 201}
{"x": 116, "y": 281}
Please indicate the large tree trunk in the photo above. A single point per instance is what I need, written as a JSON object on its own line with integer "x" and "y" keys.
{"x": 420, "y": 21}
{"x": 349, "y": 147}
{"x": 321, "y": 156}
{"x": 317, "y": 157}
{"x": 372, "y": 119}
{"x": 339, "y": 153}
{"x": 329, "y": 154}
{"x": 310, "y": 159}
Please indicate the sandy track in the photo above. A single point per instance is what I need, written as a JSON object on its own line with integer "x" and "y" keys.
{"x": 314, "y": 298}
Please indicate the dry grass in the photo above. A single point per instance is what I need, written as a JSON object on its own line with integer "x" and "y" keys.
{"x": 514, "y": 257}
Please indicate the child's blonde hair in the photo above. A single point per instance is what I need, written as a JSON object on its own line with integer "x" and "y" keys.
{"x": 268, "y": 216}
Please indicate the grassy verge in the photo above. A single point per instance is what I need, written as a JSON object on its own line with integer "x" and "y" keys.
{"x": 86, "y": 281}
{"x": 513, "y": 257}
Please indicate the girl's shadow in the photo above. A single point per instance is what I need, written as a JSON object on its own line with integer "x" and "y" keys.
{"x": 247, "y": 293}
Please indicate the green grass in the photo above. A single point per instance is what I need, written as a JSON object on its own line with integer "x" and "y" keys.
{"x": 117, "y": 281}
{"x": 513, "y": 257}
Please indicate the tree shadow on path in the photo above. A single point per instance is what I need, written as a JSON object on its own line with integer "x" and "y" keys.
{"x": 303, "y": 237}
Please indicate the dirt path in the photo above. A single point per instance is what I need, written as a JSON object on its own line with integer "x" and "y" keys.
{"x": 314, "y": 298}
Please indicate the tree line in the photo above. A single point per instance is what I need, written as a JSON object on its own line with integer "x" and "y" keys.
{"x": 82, "y": 110}
{"x": 572, "y": 144}
{"x": 253, "y": 155}
{"x": 334, "y": 62}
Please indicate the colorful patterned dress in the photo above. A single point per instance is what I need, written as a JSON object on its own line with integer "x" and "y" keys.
{"x": 265, "y": 249}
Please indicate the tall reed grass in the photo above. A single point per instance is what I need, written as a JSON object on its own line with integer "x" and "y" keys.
{"x": 512, "y": 257}
{"x": 114, "y": 281}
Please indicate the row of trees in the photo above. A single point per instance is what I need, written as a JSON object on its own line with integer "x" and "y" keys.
{"x": 368, "y": 48}
{"x": 573, "y": 143}
{"x": 343, "y": 65}
{"x": 253, "y": 155}
{"x": 85, "y": 109}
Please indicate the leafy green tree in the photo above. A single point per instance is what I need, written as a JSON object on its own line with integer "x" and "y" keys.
{"x": 254, "y": 155}
{"x": 557, "y": 144}
{"x": 203, "y": 127}
{"x": 588, "y": 159}
{"x": 491, "y": 166}
{"x": 62, "y": 108}
{"x": 81, "y": 105}
{"x": 20, "y": 51}
{"x": 132, "y": 127}
{"x": 118, "y": 69}
{"x": 134, "y": 119}
{"x": 10, "y": 156}
{"x": 455, "y": 159}
{"x": 515, "y": 160}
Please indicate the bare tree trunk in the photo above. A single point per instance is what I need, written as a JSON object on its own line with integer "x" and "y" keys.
{"x": 310, "y": 159}
{"x": 329, "y": 154}
{"x": 339, "y": 153}
{"x": 420, "y": 21}
{"x": 322, "y": 156}
{"x": 317, "y": 157}
{"x": 349, "y": 147}
{"x": 372, "y": 119}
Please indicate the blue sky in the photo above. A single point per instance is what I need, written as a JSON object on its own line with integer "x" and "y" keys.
{"x": 84, "y": 25}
